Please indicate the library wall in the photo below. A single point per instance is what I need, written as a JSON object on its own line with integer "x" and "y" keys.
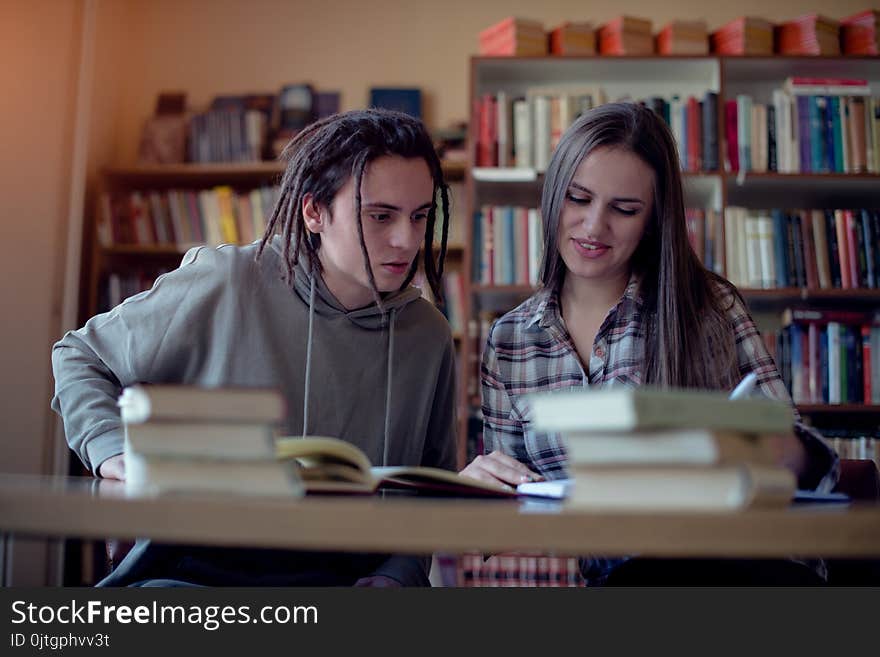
{"x": 36, "y": 123}
{"x": 39, "y": 45}
{"x": 209, "y": 48}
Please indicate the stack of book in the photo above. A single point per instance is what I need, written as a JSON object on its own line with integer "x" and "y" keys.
{"x": 810, "y": 34}
{"x": 650, "y": 449}
{"x": 573, "y": 39}
{"x": 626, "y": 35}
{"x": 683, "y": 38}
{"x": 746, "y": 35}
{"x": 859, "y": 34}
{"x": 514, "y": 37}
{"x": 220, "y": 440}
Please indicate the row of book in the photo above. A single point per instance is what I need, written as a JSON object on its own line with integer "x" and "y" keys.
{"x": 523, "y": 131}
{"x": 828, "y": 356}
{"x": 834, "y": 130}
{"x": 508, "y": 245}
{"x": 227, "y": 135}
{"x": 854, "y": 444}
{"x": 704, "y": 234}
{"x": 809, "y": 34}
{"x": 815, "y": 249}
{"x": 453, "y": 297}
{"x": 185, "y": 217}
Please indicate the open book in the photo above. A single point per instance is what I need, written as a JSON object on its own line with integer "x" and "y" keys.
{"x": 331, "y": 465}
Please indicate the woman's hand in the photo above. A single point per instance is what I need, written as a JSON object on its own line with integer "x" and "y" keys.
{"x": 112, "y": 468}
{"x": 790, "y": 453}
{"x": 498, "y": 467}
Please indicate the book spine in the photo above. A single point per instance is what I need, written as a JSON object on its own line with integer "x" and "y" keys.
{"x": 710, "y": 131}
{"x": 731, "y": 134}
{"x": 833, "y": 363}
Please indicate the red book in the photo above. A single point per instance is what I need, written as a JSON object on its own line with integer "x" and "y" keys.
{"x": 812, "y": 270}
{"x": 859, "y": 34}
{"x": 695, "y": 135}
{"x": 731, "y": 142}
{"x": 487, "y": 142}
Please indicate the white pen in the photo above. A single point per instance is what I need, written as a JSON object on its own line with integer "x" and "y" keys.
{"x": 745, "y": 386}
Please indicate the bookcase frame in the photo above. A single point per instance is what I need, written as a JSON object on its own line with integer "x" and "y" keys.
{"x": 642, "y": 77}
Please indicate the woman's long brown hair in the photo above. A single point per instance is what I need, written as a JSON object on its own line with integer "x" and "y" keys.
{"x": 689, "y": 339}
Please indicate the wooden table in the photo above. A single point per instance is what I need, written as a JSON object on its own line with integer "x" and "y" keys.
{"x": 77, "y": 507}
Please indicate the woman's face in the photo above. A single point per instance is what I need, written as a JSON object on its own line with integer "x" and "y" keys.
{"x": 606, "y": 210}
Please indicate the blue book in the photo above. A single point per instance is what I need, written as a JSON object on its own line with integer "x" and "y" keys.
{"x": 406, "y": 100}
{"x": 817, "y": 133}
{"x": 837, "y": 134}
{"x": 803, "y": 128}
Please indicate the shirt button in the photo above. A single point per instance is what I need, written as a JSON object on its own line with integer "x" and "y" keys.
{"x": 600, "y": 352}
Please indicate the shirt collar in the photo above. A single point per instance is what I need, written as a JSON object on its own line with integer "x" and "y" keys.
{"x": 547, "y": 310}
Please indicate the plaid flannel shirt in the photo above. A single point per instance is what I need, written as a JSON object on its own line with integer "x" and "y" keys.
{"x": 529, "y": 350}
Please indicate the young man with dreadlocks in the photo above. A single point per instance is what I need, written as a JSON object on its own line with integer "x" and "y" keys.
{"x": 321, "y": 308}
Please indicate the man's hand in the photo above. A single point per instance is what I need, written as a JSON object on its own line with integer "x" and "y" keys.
{"x": 498, "y": 467}
{"x": 113, "y": 468}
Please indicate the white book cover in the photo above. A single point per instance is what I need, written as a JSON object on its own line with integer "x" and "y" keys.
{"x": 768, "y": 258}
{"x": 782, "y": 118}
{"x": 542, "y": 133}
{"x": 754, "y": 269}
{"x": 522, "y": 133}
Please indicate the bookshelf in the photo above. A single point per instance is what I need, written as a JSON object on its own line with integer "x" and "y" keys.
{"x": 706, "y": 188}
{"x": 108, "y": 255}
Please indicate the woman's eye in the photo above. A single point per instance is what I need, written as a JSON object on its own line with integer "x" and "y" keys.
{"x": 380, "y": 217}
{"x": 626, "y": 211}
{"x": 580, "y": 200}
{"x": 422, "y": 216}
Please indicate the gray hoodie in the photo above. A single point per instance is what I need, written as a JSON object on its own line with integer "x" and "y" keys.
{"x": 382, "y": 382}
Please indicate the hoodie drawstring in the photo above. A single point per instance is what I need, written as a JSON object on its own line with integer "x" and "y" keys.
{"x": 309, "y": 355}
{"x": 388, "y": 379}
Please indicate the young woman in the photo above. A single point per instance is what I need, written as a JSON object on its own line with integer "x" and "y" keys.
{"x": 624, "y": 300}
{"x": 323, "y": 311}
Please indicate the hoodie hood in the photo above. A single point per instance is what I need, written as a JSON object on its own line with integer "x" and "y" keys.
{"x": 310, "y": 287}
{"x": 325, "y": 303}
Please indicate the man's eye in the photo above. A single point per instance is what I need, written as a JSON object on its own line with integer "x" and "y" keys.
{"x": 422, "y": 216}
{"x": 381, "y": 217}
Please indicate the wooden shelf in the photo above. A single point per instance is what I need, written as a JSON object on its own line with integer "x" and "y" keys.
{"x": 173, "y": 249}
{"x": 809, "y": 177}
{"x": 838, "y": 408}
{"x": 795, "y": 294}
{"x": 220, "y": 172}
